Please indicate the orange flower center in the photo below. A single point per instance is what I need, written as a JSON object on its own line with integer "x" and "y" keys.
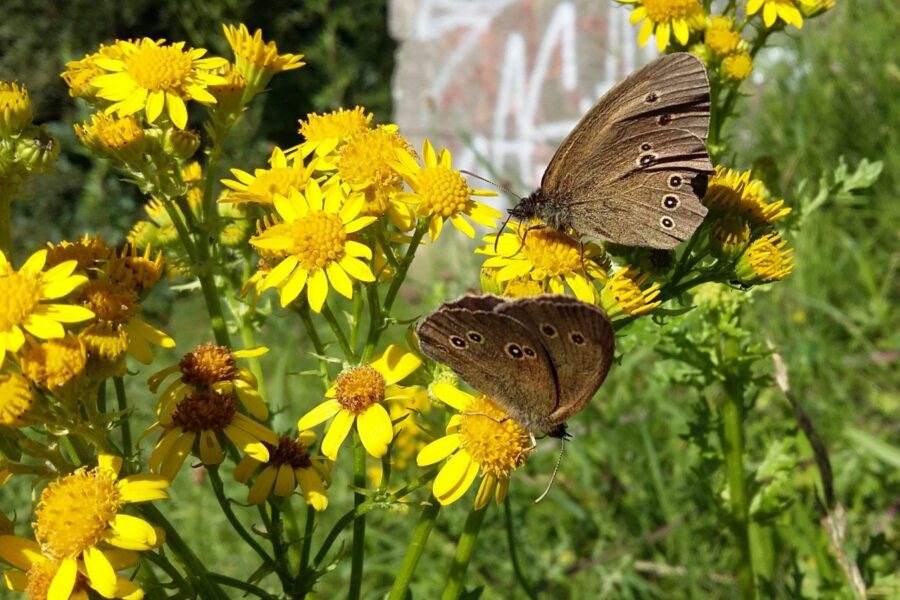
{"x": 318, "y": 239}
{"x": 359, "y": 388}
{"x": 158, "y": 68}
{"x": 661, "y": 11}
{"x": 207, "y": 365}
{"x": 204, "y": 411}
{"x": 443, "y": 192}
{"x": 493, "y": 440}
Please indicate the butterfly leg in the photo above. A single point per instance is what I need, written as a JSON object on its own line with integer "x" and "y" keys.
{"x": 530, "y": 227}
{"x": 527, "y": 451}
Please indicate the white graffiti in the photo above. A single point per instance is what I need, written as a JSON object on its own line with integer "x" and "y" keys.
{"x": 521, "y": 132}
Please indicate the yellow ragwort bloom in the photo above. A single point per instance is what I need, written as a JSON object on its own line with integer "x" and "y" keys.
{"x": 79, "y": 74}
{"x": 264, "y": 185}
{"x": 766, "y": 259}
{"x": 111, "y": 137}
{"x": 720, "y": 36}
{"x": 786, "y": 10}
{"x": 663, "y": 18}
{"x": 358, "y": 396}
{"x": 54, "y": 363}
{"x": 729, "y": 236}
{"x": 548, "y": 257}
{"x": 737, "y": 66}
{"x": 440, "y": 192}
{"x": 480, "y": 439}
{"x": 257, "y": 60}
{"x": 289, "y": 465}
{"x": 15, "y": 108}
{"x": 198, "y": 423}
{"x": 211, "y": 367}
{"x": 23, "y": 301}
{"x": 737, "y": 193}
{"x": 313, "y": 247}
{"x": 155, "y": 78}
{"x": 79, "y": 526}
{"x": 622, "y": 294}
{"x": 323, "y": 134}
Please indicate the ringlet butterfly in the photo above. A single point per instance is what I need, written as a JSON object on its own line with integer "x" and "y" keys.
{"x": 541, "y": 358}
{"x": 634, "y": 169}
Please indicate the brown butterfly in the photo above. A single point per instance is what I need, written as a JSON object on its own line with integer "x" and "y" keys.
{"x": 634, "y": 169}
{"x": 540, "y": 358}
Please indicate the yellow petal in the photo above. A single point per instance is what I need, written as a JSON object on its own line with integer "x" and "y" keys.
{"x": 663, "y": 30}
{"x": 645, "y": 32}
{"x": 339, "y": 280}
{"x": 100, "y": 572}
{"x": 43, "y": 327}
{"x": 337, "y": 433}
{"x": 317, "y": 289}
{"x": 285, "y": 482}
{"x": 452, "y": 396}
{"x": 143, "y": 488}
{"x": 262, "y": 487}
{"x": 312, "y": 488}
{"x": 19, "y": 552}
{"x": 485, "y": 490}
{"x": 177, "y": 110}
{"x": 455, "y": 478}
{"x": 210, "y": 450}
{"x": 395, "y": 364}
{"x": 280, "y": 272}
{"x": 375, "y": 430}
{"x": 463, "y": 226}
{"x": 319, "y": 414}
{"x": 156, "y": 100}
{"x": 357, "y": 269}
{"x": 294, "y": 286}
{"x": 245, "y": 469}
{"x": 132, "y": 533}
{"x": 438, "y": 450}
{"x": 682, "y": 34}
{"x": 63, "y": 581}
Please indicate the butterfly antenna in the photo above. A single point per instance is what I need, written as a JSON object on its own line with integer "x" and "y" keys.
{"x": 488, "y": 181}
{"x": 499, "y": 231}
{"x": 562, "y": 448}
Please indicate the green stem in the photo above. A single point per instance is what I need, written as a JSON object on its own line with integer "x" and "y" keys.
{"x": 124, "y": 420}
{"x": 214, "y": 307}
{"x": 309, "y": 326}
{"x": 338, "y": 333}
{"x": 192, "y": 565}
{"x": 225, "y": 504}
{"x": 6, "y": 223}
{"x": 276, "y": 535}
{"x": 169, "y": 569}
{"x": 456, "y": 578}
{"x": 732, "y": 437}
{"x": 308, "y": 529}
{"x": 243, "y": 586}
{"x": 513, "y": 555}
{"x": 414, "y": 550}
{"x": 359, "y": 525}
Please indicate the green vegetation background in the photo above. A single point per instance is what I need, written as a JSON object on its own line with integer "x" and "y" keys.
{"x": 631, "y": 515}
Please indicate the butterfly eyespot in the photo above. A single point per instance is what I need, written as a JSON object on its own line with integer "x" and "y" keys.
{"x": 665, "y": 119}
{"x": 577, "y": 338}
{"x": 514, "y": 350}
{"x": 457, "y": 341}
{"x": 651, "y": 97}
{"x": 475, "y": 337}
{"x": 647, "y": 160}
{"x": 667, "y": 223}
{"x": 529, "y": 352}
{"x": 674, "y": 181}
{"x": 548, "y": 330}
{"x": 645, "y": 146}
{"x": 670, "y": 202}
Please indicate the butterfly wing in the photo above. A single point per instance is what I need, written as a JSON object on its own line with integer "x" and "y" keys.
{"x": 495, "y": 354}
{"x": 580, "y": 342}
{"x": 614, "y": 171}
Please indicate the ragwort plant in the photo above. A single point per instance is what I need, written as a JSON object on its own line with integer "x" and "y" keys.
{"x": 322, "y": 238}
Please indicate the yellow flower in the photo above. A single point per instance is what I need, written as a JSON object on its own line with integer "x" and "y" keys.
{"x": 15, "y": 108}
{"x": 548, "y": 257}
{"x": 729, "y": 237}
{"x": 140, "y": 272}
{"x": 720, "y": 36}
{"x": 786, "y": 10}
{"x": 23, "y": 296}
{"x": 622, "y": 294}
{"x": 16, "y": 399}
{"x": 366, "y": 164}
{"x": 109, "y": 137}
{"x": 211, "y": 367}
{"x": 313, "y": 246}
{"x": 118, "y": 329}
{"x": 662, "y": 18}
{"x": 440, "y": 192}
{"x": 80, "y": 73}
{"x": 765, "y": 260}
{"x": 482, "y": 438}
{"x": 264, "y": 184}
{"x": 87, "y": 251}
{"x": 737, "y": 66}
{"x": 156, "y": 78}
{"x": 289, "y": 465}
{"x": 82, "y": 532}
{"x": 54, "y": 363}
{"x": 197, "y": 423}
{"x": 257, "y": 61}
{"x": 735, "y": 192}
{"x": 35, "y": 573}
{"x": 324, "y": 133}
{"x": 357, "y": 396}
